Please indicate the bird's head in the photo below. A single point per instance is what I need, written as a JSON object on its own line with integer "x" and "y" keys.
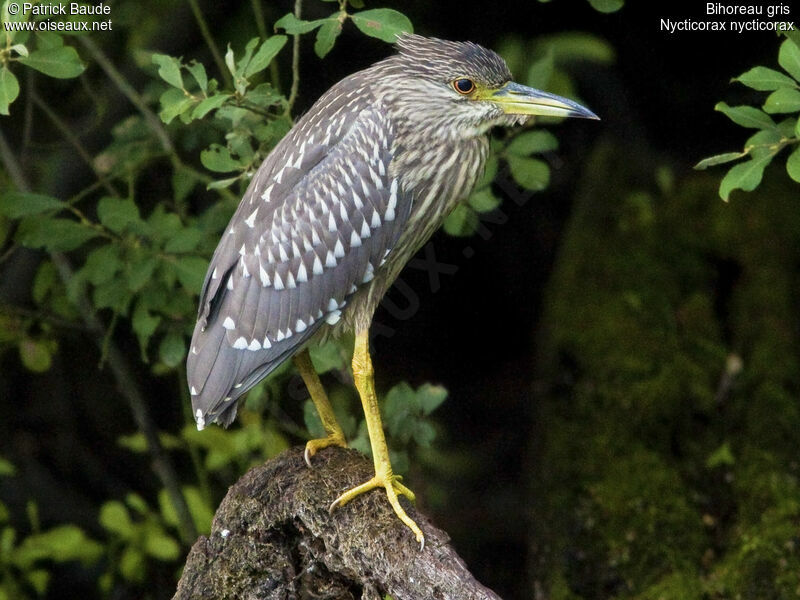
{"x": 461, "y": 89}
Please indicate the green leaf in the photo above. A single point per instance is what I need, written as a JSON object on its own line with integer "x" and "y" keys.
{"x": 198, "y": 71}
{"x": 38, "y": 579}
{"x": 484, "y": 200}
{"x": 541, "y": 71}
{"x": 55, "y": 235}
{"x": 49, "y": 39}
{"x": 45, "y": 280}
{"x": 578, "y": 45}
{"x": 762, "y": 143}
{"x": 164, "y": 224}
{"x": 789, "y": 58}
{"x": 744, "y": 176}
{"x": 202, "y": 515}
{"x": 268, "y": 50}
{"x": 292, "y": 25}
{"x": 783, "y": 100}
{"x": 327, "y": 357}
{"x": 229, "y": 61}
{"x": 218, "y": 158}
{"x": 102, "y": 264}
{"x": 174, "y": 102}
{"x": 159, "y": 545}
{"x": 137, "y": 503}
{"x": 430, "y": 397}
{"x": 135, "y": 442}
{"x": 746, "y": 116}
{"x": 115, "y": 518}
{"x": 489, "y": 172}
{"x": 132, "y": 564}
{"x": 36, "y": 355}
{"x": 719, "y": 159}
{"x": 169, "y": 69}
{"x": 186, "y": 240}
{"x": 424, "y": 434}
{"x": 172, "y": 349}
{"x": 111, "y": 295}
{"x": 792, "y": 34}
{"x": 183, "y": 182}
{"x": 220, "y": 184}
{"x": 7, "y": 468}
{"x": 61, "y": 544}
{"x": 245, "y": 59}
{"x": 20, "y": 49}
{"x": 530, "y": 173}
{"x": 312, "y": 421}
{"x": 721, "y": 456}
{"x": 9, "y": 89}
{"x": 144, "y": 325}
{"x": 22, "y": 204}
{"x": 461, "y": 222}
{"x": 117, "y": 214}
{"x": 787, "y": 126}
{"x": 140, "y": 271}
{"x": 61, "y": 62}
{"x": 531, "y": 142}
{"x": 383, "y": 23}
{"x": 764, "y": 79}
{"x": 191, "y": 272}
{"x": 793, "y": 165}
{"x": 206, "y": 105}
{"x": 607, "y": 6}
{"x": 20, "y": 16}
{"x": 201, "y": 512}
{"x": 326, "y": 36}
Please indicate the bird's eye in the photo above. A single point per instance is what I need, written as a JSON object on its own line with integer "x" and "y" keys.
{"x": 463, "y": 86}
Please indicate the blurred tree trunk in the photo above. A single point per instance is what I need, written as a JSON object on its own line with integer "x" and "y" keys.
{"x": 666, "y": 414}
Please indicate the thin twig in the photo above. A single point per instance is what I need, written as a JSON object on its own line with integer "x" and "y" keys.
{"x": 126, "y": 381}
{"x": 39, "y": 315}
{"x": 298, "y": 9}
{"x": 212, "y": 46}
{"x": 127, "y": 90}
{"x": 27, "y": 117}
{"x": 12, "y": 166}
{"x": 259, "y": 15}
{"x": 64, "y": 129}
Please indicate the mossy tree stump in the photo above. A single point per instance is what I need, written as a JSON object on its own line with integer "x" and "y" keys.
{"x": 273, "y": 537}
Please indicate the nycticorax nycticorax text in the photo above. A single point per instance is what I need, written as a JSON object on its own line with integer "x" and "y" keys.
{"x": 332, "y": 215}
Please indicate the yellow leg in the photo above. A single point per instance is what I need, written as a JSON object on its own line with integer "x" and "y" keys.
{"x": 384, "y": 477}
{"x": 335, "y": 435}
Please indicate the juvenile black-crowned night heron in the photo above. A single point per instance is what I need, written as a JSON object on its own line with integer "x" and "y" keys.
{"x": 332, "y": 216}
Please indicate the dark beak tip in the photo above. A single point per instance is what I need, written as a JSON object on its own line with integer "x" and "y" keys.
{"x": 585, "y": 113}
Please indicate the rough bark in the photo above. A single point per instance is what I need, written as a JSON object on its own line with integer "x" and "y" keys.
{"x": 273, "y": 537}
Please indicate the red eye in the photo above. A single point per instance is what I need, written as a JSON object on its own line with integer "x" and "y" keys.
{"x": 463, "y": 86}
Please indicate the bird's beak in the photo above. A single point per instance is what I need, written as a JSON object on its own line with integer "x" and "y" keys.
{"x": 516, "y": 99}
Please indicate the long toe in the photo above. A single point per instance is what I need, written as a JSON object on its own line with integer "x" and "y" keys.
{"x": 392, "y": 487}
{"x": 314, "y": 446}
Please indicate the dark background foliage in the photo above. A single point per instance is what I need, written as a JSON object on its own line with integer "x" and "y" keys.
{"x": 550, "y": 380}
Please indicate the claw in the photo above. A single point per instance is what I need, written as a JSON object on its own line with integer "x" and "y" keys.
{"x": 314, "y": 446}
{"x": 393, "y": 487}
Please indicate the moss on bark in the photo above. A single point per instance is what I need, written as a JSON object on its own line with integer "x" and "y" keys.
{"x": 668, "y": 415}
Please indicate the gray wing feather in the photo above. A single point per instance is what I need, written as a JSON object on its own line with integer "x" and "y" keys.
{"x": 314, "y": 224}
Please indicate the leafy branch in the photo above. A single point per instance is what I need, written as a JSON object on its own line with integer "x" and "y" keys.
{"x": 772, "y": 137}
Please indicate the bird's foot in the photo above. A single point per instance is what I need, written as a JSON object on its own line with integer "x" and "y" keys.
{"x": 391, "y": 483}
{"x": 314, "y": 446}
